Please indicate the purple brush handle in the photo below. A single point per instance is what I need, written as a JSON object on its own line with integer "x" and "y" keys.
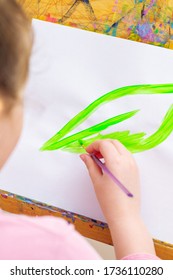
{"x": 106, "y": 170}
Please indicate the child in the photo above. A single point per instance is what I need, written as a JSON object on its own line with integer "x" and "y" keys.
{"x": 49, "y": 237}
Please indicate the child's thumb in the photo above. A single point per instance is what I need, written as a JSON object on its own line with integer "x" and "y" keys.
{"x": 93, "y": 169}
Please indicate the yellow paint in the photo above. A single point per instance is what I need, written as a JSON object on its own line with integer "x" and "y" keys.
{"x": 106, "y": 13}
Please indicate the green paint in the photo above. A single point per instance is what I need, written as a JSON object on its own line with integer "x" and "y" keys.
{"x": 134, "y": 142}
{"x": 91, "y": 130}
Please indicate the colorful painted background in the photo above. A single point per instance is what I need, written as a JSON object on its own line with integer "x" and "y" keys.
{"x": 148, "y": 21}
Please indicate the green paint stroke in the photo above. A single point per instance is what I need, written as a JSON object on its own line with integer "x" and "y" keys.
{"x": 137, "y": 142}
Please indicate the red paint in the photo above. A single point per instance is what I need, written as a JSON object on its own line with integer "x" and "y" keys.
{"x": 4, "y": 195}
{"x": 51, "y": 19}
{"x": 72, "y": 24}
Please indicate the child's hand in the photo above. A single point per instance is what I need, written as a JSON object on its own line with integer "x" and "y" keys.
{"x": 129, "y": 234}
{"x": 113, "y": 201}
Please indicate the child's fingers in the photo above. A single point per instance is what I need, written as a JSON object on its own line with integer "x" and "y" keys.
{"x": 120, "y": 147}
{"x": 93, "y": 169}
{"x": 105, "y": 148}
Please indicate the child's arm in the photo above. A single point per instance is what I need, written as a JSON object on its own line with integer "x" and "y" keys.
{"x": 129, "y": 234}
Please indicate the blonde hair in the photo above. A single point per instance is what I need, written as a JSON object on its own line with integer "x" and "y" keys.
{"x": 15, "y": 49}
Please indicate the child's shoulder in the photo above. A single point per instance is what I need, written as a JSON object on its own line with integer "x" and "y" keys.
{"x": 41, "y": 238}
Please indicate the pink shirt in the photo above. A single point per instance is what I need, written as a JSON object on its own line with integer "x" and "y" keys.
{"x": 44, "y": 238}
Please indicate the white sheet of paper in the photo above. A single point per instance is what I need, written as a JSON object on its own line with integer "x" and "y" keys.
{"x": 69, "y": 69}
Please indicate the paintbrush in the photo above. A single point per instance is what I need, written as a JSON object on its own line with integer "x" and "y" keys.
{"x": 108, "y": 172}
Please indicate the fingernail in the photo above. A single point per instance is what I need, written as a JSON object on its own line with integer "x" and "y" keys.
{"x": 83, "y": 158}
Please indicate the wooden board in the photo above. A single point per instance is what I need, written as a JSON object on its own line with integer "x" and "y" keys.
{"x": 145, "y": 21}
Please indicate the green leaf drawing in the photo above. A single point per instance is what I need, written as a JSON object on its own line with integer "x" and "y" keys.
{"x": 137, "y": 142}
